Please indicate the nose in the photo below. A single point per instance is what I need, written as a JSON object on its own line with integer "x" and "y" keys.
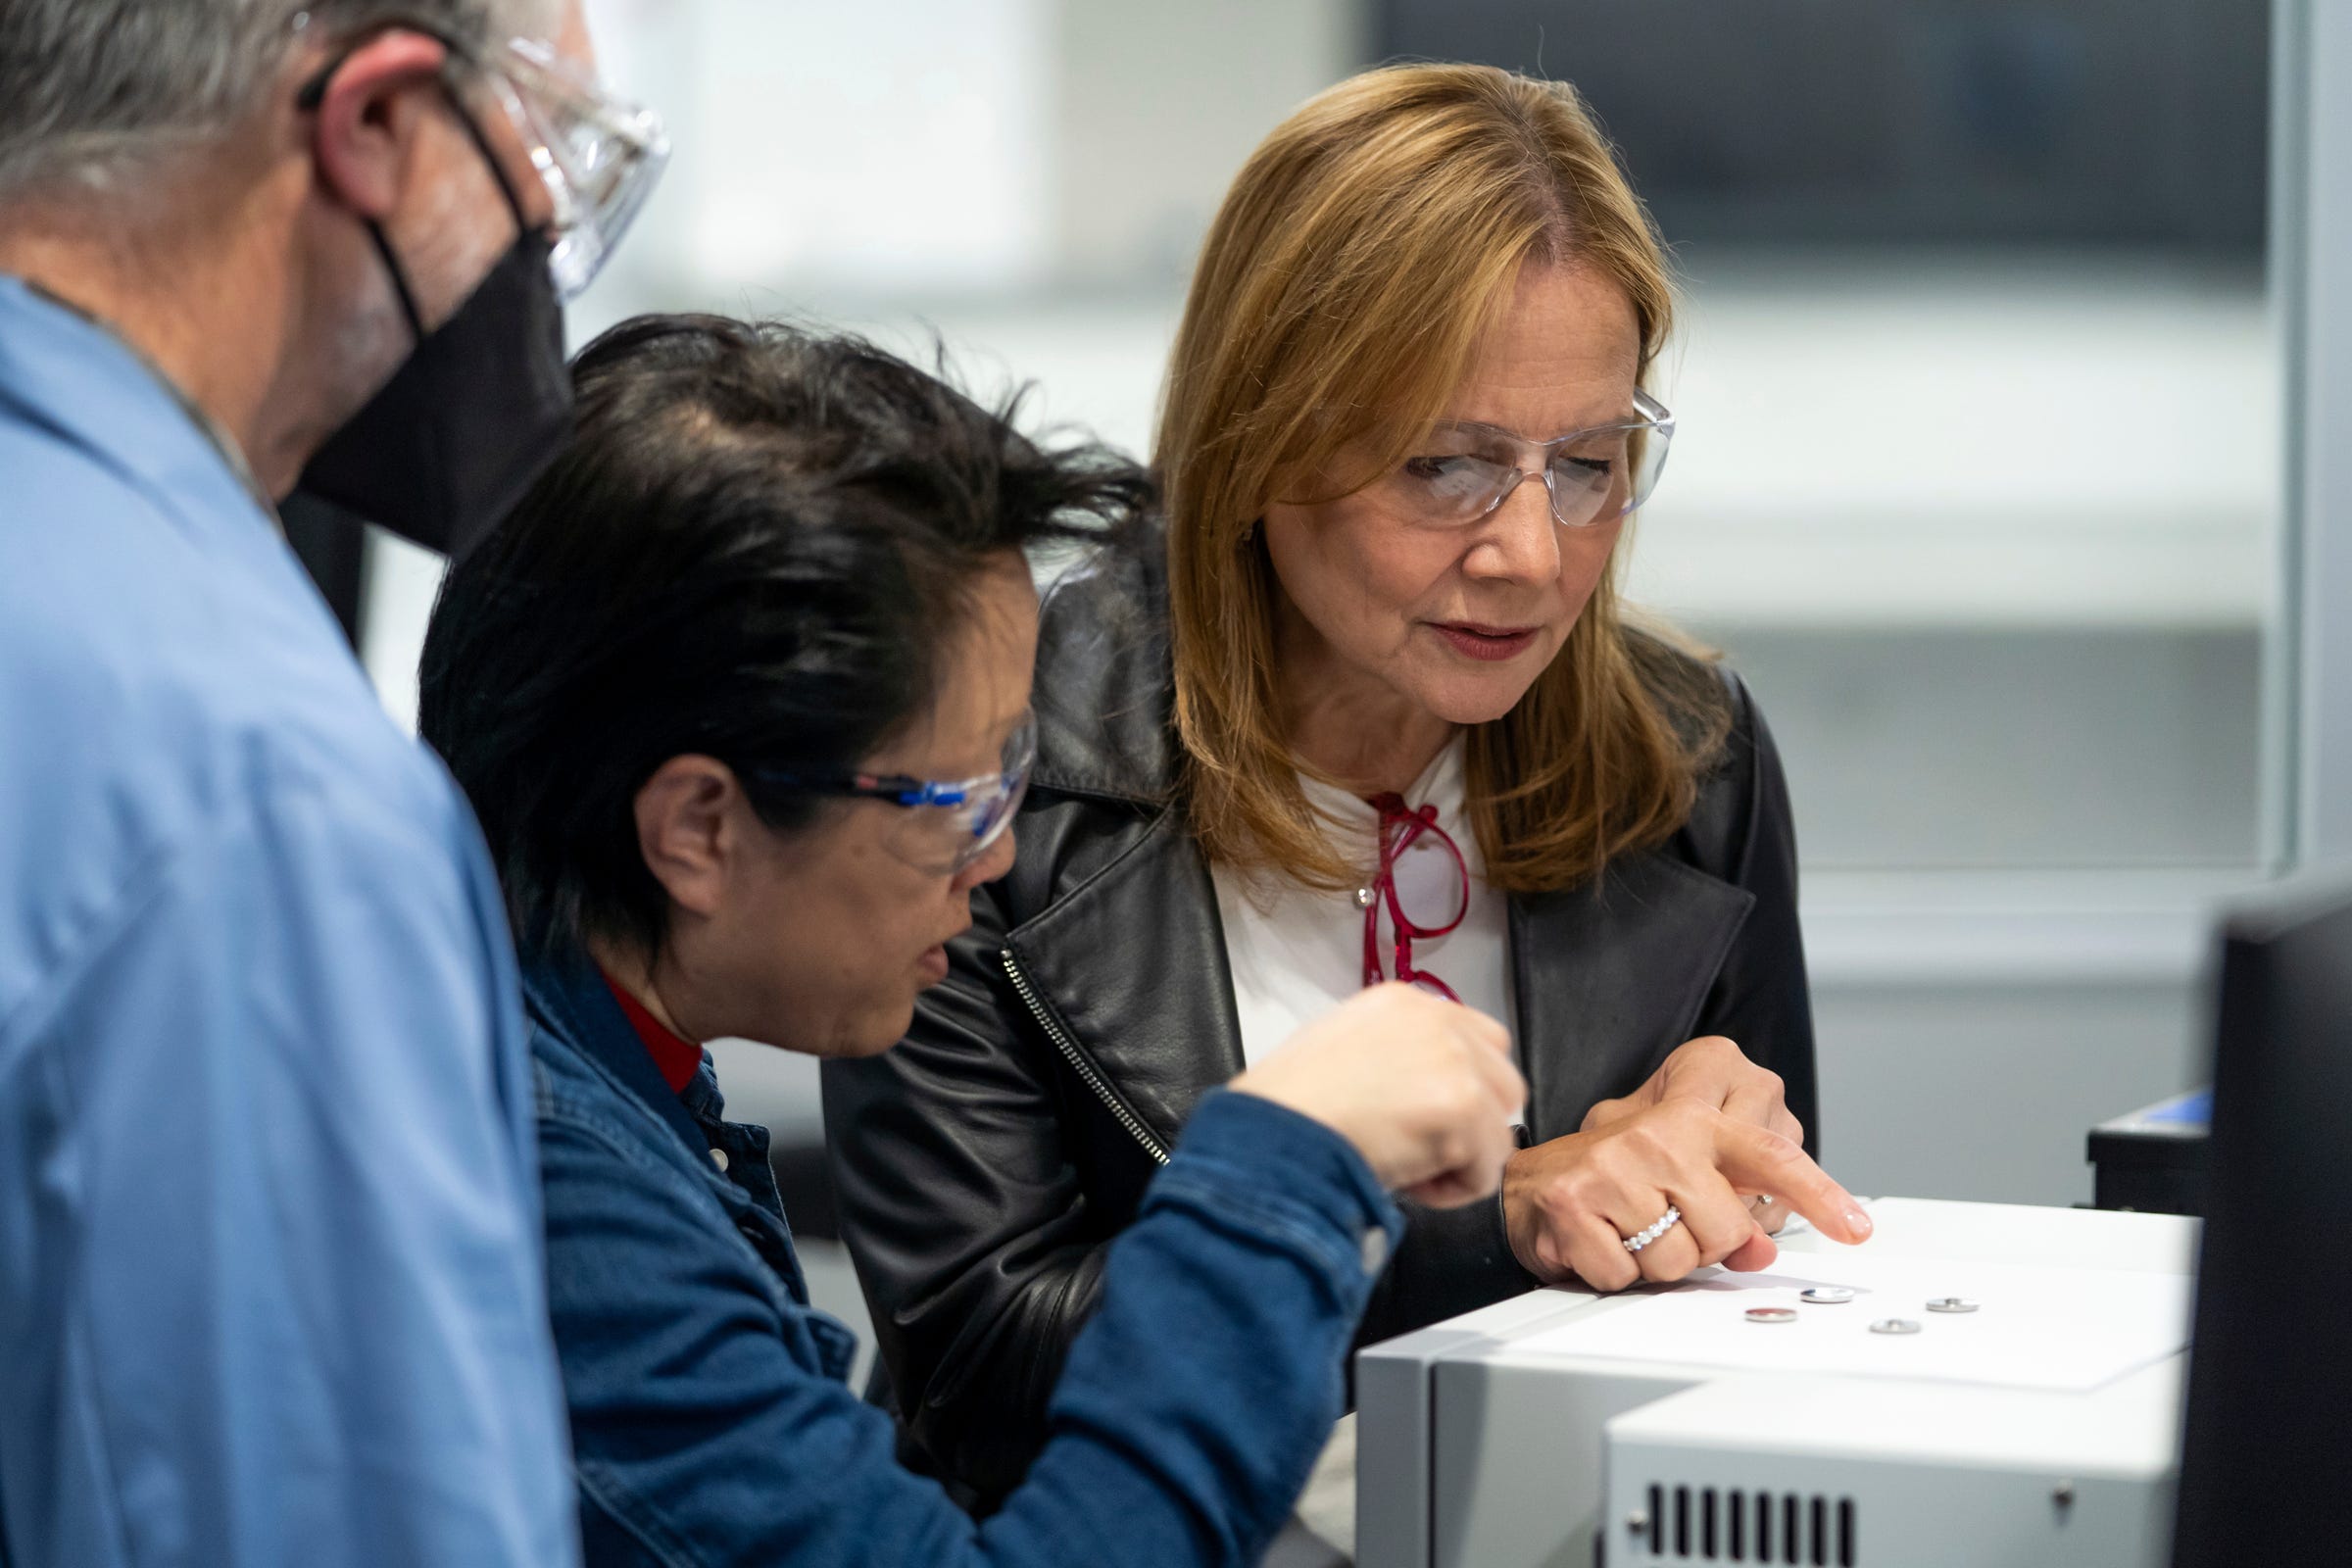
{"x": 1518, "y": 541}
{"x": 989, "y": 867}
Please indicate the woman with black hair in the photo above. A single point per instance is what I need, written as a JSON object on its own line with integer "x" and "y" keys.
{"x": 741, "y": 697}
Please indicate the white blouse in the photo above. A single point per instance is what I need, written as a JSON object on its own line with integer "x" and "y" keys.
{"x": 1297, "y": 953}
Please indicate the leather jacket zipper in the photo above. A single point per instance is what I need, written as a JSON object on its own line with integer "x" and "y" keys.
{"x": 1079, "y": 1061}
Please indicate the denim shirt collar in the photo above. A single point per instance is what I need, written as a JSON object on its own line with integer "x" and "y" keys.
{"x": 568, "y": 999}
{"x": 567, "y": 993}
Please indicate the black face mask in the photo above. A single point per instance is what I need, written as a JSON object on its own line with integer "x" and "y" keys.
{"x": 480, "y": 410}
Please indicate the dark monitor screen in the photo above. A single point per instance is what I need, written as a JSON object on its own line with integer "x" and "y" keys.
{"x": 2266, "y": 1473}
{"x": 2135, "y": 124}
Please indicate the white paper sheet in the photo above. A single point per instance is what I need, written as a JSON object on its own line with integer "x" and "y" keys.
{"x": 2065, "y": 1329}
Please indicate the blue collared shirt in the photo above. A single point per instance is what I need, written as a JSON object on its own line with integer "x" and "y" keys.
{"x": 709, "y": 1420}
{"x": 271, "y": 1287}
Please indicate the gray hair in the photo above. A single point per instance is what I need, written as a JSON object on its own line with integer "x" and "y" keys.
{"x": 91, "y": 90}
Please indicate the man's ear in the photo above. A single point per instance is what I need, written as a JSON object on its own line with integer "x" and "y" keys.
{"x": 684, "y": 815}
{"x": 368, "y": 125}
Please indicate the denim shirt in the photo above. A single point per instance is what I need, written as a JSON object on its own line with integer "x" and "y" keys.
{"x": 710, "y": 1420}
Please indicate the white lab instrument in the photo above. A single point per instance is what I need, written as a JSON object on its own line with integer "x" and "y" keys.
{"x": 1979, "y": 1384}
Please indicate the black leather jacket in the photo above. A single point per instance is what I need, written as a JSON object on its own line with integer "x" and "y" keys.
{"x": 984, "y": 1164}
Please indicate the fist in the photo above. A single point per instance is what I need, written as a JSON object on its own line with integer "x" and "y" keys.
{"x": 1423, "y": 1088}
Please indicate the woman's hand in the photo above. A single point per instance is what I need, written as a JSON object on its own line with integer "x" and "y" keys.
{"x": 1569, "y": 1204}
{"x": 1422, "y": 1087}
{"x": 1711, "y": 1070}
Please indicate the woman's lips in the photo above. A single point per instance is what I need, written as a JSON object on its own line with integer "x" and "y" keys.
{"x": 1492, "y": 643}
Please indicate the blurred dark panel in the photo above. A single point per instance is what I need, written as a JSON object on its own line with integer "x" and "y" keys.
{"x": 333, "y": 546}
{"x": 805, "y": 1184}
{"x": 1956, "y": 122}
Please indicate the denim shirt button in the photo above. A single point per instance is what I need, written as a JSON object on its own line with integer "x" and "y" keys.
{"x": 1376, "y": 1249}
{"x": 718, "y": 1157}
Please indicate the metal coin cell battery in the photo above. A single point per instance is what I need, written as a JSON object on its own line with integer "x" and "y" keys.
{"x": 1952, "y": 1303}
{"x": 1826, "y": 1295}
{"x": 1894, "y": 1325}
{"x": 1772, "y": 1314}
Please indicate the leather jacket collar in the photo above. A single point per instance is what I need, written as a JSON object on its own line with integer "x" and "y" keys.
{"x": 1105, "y": 685}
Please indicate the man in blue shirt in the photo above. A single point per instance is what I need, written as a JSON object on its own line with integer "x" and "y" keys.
{"x": 271, "y": 1287}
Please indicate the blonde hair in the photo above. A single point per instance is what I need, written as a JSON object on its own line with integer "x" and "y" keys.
{"x": 1364, "y": 250}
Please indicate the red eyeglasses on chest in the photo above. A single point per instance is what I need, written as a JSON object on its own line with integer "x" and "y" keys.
{"x": 1402, "y": 828}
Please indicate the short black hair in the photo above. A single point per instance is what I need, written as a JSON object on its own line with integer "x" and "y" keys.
{"x": 754, "y": 548}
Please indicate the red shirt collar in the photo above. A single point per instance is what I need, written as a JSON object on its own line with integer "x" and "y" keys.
{"x": 677, "y": 1058}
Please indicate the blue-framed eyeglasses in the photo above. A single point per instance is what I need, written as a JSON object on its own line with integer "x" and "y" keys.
{"x": 948, "y": 824}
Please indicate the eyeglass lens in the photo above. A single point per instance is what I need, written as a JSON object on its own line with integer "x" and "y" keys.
{"x": 950, "y": 839}
{"x": 1463, "y": 475}
{"x": 602, "y": 158}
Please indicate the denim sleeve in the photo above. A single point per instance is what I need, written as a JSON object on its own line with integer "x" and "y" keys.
{"x": 1196, "y": 1402}
{"x": 1193, "y": 1407}
{"x": 283, "y": 1302}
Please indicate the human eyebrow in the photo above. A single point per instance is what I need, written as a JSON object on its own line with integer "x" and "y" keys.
{"x": 1475, "y": 428}
{"x": 1472, "y": 427}
{"x": 1464, "y": 438}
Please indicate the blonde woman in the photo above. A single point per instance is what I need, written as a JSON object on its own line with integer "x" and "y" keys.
{"x": 1371, "y": 711}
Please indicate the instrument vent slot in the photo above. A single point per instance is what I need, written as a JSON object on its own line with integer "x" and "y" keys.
{"x": 1719, "y": 1524}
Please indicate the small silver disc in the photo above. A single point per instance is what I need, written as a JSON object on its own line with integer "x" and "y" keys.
{"x": 1952, "y": 1303}
{"x": 1827, "y": 1294}
{"x": 1894, "y": 1325}
{"x": 1772, "y": 1314}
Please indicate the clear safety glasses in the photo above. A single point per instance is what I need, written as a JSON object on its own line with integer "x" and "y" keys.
{"x": 1462, "y": 473}
{"x": 948, "y": 824}
{"x": 599, "y": 156}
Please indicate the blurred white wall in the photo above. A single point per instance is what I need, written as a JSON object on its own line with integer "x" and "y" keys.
{"x": 881, "y": 148}
{"x": 1155, "y": 107}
